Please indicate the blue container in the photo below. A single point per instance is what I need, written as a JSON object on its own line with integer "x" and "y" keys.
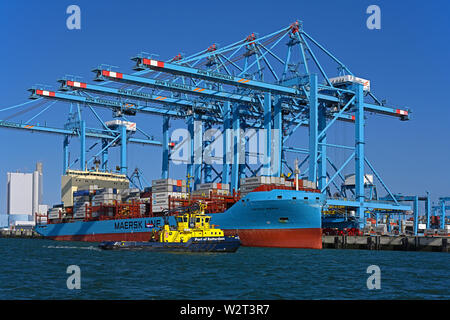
{"x": 81, "y": 193}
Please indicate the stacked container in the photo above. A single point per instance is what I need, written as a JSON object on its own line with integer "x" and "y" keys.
{"x": 305, "y": 184}
{"x": 205, "y": 189}
{"x": 130, "y": 195}
{"x": 107, "y": 196}
{"x": 54, "y": 213}
{"x": 250, "y": 184}
{"x": 163, "y": 189}
{"x": 81, "y": 198}
{"x": 79, "y": 206}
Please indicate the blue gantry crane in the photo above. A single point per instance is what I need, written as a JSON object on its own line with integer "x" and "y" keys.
{"x": 265, "y": 86}
{"x": 442, "y": 207}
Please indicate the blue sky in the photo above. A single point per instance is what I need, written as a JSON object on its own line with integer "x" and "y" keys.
{"x": 407, "y": 62}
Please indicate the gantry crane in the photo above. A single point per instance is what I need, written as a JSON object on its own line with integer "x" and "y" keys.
{"x": 273, "y": 82}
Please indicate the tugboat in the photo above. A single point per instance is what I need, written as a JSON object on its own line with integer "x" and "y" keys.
{"x": 192, "y": 233}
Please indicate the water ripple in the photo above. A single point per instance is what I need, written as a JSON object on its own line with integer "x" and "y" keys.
{"x": 36, "y": 269}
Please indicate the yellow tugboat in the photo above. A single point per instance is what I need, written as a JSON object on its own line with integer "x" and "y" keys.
{"x": 193, "y": 232}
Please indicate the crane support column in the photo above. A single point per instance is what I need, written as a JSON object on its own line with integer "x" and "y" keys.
{"x": 268, "y": 132}
{"x": 322, "y": 161}
{"x": 278, "y": 139}
{"x": 65, "y": 154}
{"x": 198, "y": 152}
{"x": 359, "y": 153}
{"x": 236, "y": 149}
{"x": 443, "y": 214}
{"x": 207, "y": 168}
{"x": 190, "y": 163}
{"x": 227, "y": 141}
{"x": 165, "y": 151}
{"x": 416, "y": 214}
{"x": 313, "y": 127}
{"x": 123, "y": 149}
{"x": 104, "y": 164}
{"x": 83, "y": 145}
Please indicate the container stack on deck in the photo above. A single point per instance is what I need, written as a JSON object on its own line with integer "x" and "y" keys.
{"x": 207, "y": 189}
{"x": 250, "y": 184}
{"x": 82, "y": 199}
{"x": 93, "y": 202}
{"x": 54, "y": 213}
{"x": 106, "y": 196}
{"x": 163, "y": 189}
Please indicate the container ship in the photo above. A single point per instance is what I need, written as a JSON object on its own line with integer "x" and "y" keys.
{"x": 265, "y": 211}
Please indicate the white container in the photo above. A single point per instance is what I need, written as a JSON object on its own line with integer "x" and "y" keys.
{"x": 249, "y": 187}
{"x": 223, "y": 186}
{"x": 52, "y": 216}
{"x": 223, "y": 192}
{"x": 79, "y": 215}
{"x": 277, "y": 180}
{"x": 161, "y": 195}
{"x": 159, "y": 208}
{"x": 172, "y": 182}
{"x": 130, "y": 126}
{"x": 351, "y": 79}
{"x": 168, "y": 188}
{"x": 160, "y": 202}
{"x": 203, "y": 186}
{"x": 165, "y": 195}
{"x": 350, "y": 179}
{"x": 256, "y": 180}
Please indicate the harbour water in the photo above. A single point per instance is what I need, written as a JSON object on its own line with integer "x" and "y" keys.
{"x": 37, "y": 269}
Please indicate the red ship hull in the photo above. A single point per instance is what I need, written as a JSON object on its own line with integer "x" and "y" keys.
{"x": 281, "y": 238}
{"x": 310, "y": 238}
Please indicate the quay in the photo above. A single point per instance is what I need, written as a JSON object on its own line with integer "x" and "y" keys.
{"x": 381, "y": 242}
{"x": 370, "y": 242}
{"x": 20, "y": 234}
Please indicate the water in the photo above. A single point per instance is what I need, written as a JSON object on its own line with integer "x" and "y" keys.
{"x": 36, "y": 269}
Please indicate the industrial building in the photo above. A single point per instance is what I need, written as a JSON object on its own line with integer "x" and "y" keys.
{"x": 24, "y": 198}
